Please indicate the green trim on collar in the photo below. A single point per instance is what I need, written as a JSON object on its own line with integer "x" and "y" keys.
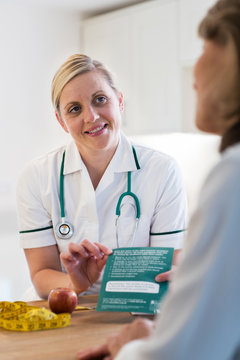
{"x": 135, "y": 158}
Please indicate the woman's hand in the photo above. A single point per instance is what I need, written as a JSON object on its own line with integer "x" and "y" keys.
{"x": 84, "y": 263}
{"x": 140, "y": 328}
{"x": 167, "y": 276}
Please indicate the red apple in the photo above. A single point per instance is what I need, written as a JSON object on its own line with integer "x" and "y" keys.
{"x": 62, "y": 300}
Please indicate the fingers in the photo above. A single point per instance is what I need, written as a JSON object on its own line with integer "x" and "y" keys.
{"x": 67, "y": 258}
{"x": 104, "y": 248}
{"x": 166, "y": 276}
{"x": 139, "y": 329}
{"x": 115, "y": 343}
{"x": 95, "y": 353}
{"x": 176, "y": 256}
{"x": 87, "y": 249}
{"x": 106, "y": 251}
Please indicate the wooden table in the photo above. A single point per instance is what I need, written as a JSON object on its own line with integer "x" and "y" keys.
{"x": 87, "y": 328}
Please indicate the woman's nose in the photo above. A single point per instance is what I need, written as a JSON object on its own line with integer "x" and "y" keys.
{"x": 90, "y": 114}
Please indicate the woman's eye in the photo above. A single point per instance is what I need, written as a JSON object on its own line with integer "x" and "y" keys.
{"x": 101, "y": 100}
{"x": 74, "y": 109}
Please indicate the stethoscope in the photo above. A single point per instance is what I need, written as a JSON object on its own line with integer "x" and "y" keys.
{"x": 64, "y": 229}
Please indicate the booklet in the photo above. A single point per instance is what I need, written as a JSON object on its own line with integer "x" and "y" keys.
{"x": 128, "y": 283}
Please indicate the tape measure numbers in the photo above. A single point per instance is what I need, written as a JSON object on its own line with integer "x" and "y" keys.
{"x": 18, "y": 316}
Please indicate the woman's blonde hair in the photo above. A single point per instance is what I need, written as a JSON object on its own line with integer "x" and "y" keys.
{"x": 75, "y": 65}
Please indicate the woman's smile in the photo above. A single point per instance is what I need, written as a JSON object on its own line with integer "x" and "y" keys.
{"x": 96, "y": 131}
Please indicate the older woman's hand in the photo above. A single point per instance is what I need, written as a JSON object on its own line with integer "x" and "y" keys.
{"x": 167, "y": 276}
{"x": 139, "y": 329}
{"x": 84, "y": 263}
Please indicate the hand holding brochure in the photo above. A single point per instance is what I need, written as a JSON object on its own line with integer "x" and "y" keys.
{"x": 128, "y": 282}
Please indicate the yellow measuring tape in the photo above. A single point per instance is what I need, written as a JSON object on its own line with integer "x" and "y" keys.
{"x": 18, "y": 316}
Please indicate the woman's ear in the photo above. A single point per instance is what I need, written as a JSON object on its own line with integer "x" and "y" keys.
{"x": 121, "y": 102}
{"x": 61, "y": 122}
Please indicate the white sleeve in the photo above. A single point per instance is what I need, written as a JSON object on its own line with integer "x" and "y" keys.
{"x": 200, "y": 316}
{"x": 34, "y": 221}
{"x": 169, "y": 222}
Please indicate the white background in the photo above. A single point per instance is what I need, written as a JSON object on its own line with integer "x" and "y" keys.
{"x": 34, "y": 42}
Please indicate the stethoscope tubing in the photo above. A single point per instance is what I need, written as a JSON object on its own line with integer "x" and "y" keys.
{"x": 64, "y": 229}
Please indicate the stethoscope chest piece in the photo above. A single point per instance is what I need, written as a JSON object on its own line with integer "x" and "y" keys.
{"x": 64, "y": 230}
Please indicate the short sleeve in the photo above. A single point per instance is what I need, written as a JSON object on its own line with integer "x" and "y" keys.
{"x": 34, "y": 221}
{"x": 169, "y": 222}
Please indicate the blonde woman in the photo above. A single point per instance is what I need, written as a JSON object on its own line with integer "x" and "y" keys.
{"x": 69, "y": 199}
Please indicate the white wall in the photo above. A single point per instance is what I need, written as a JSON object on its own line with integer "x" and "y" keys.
{"x": 34, "y": 42}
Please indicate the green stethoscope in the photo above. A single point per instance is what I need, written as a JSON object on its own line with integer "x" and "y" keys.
{"x": 64, "y": 229}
